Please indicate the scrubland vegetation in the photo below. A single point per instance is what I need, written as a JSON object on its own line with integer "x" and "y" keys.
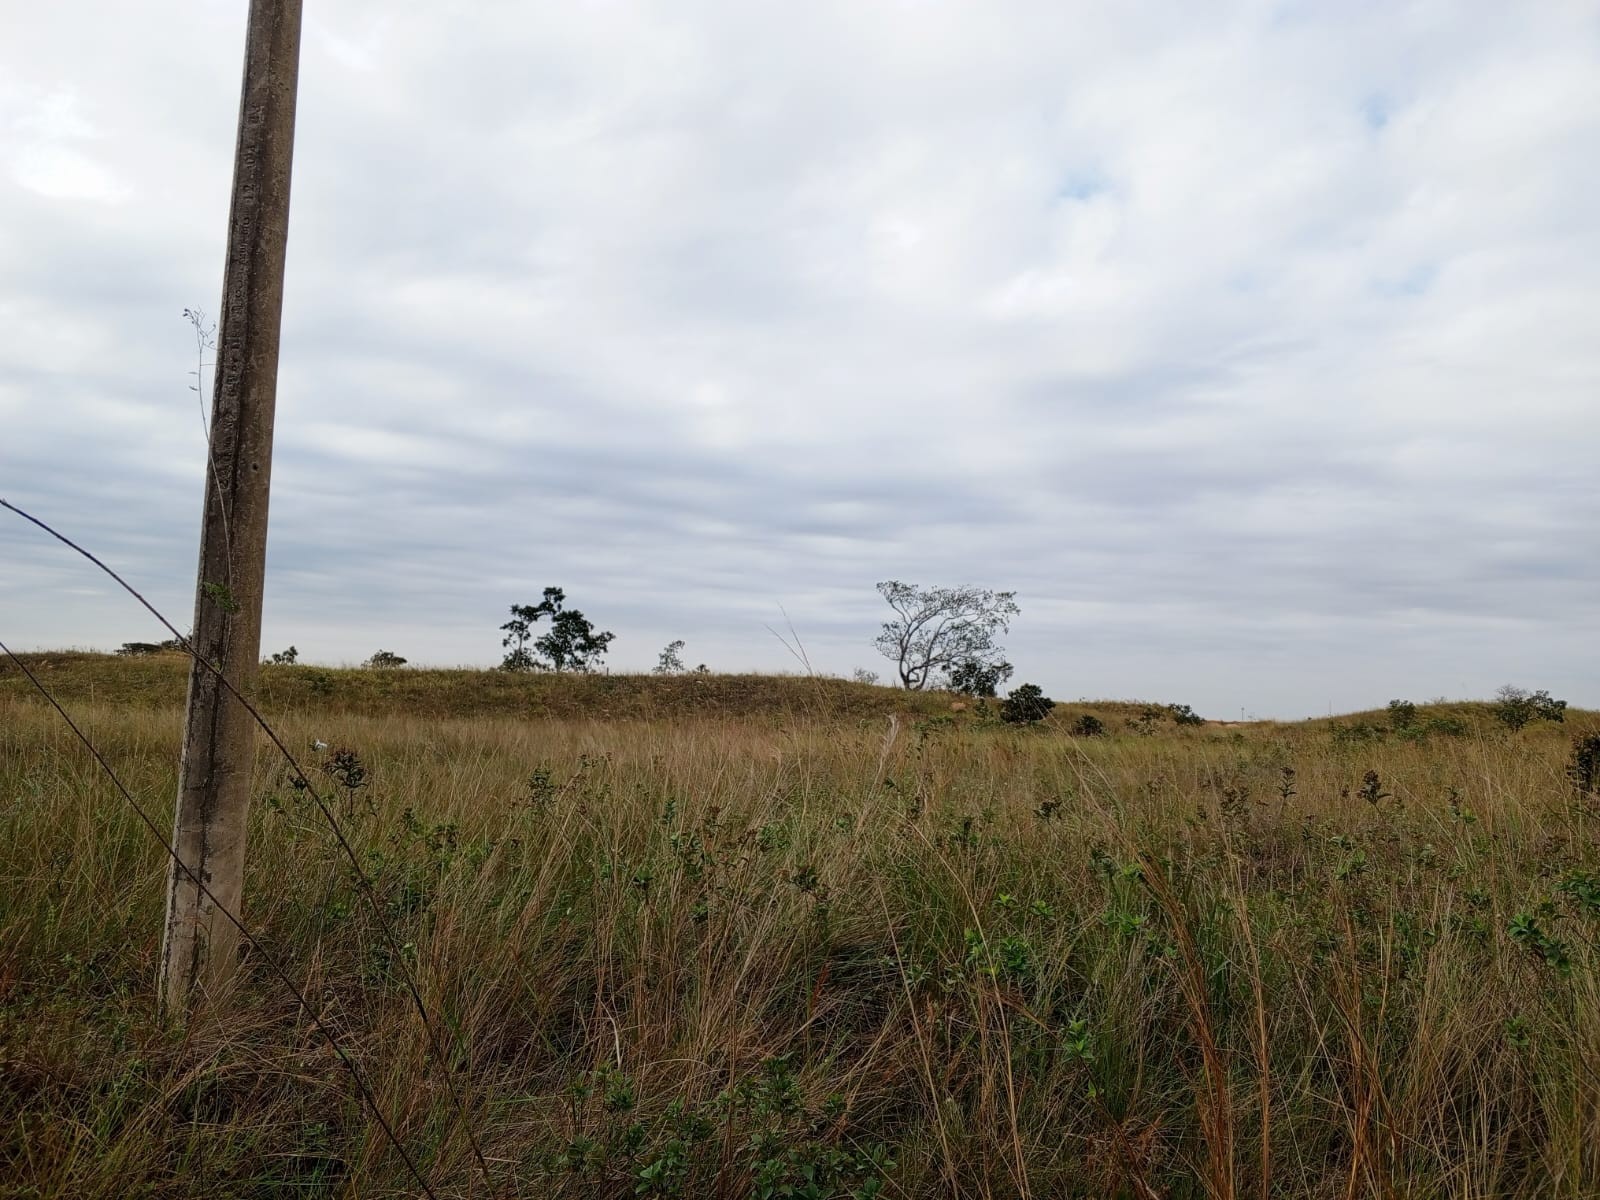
{"x": 710, "y": 936}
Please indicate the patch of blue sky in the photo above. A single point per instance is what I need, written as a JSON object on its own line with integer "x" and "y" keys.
{"x": 1080, "y": 185}
{"x": 1413, "y": 282}
{"x": 1376, "y": 110}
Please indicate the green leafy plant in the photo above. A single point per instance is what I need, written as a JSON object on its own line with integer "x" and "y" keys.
{"x": 1526, "y": 932}
{"x": 1371, "y": 789}
{"x": 541, "y": 789}
{"x": 347, "y": 769}
{"x": 1583, "y": 888}
{"x": 1286, "y": 781}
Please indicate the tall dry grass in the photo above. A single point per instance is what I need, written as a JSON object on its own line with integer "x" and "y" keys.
{"x": 811, "y": 957}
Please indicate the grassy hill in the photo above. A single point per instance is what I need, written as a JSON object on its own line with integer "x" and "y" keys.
{"x": 158, "y": 682}
{"x": 804, "y": 951}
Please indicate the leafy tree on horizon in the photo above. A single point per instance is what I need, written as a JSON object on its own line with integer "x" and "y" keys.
{"x": 570, "y": 645}
{"x": 975, "y": 678}
{"x": 939, "y": 629}
{"x": 1515, "y": 707}
{"x": 1026, "y": 705}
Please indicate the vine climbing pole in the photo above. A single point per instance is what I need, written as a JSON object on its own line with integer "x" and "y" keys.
{"x": 199, "y": 947}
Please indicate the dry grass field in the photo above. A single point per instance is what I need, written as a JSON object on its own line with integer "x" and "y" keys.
{"x": 795, "y": 938}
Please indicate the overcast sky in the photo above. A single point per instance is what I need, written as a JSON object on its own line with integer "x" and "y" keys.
{"x": 1256, "y": 346}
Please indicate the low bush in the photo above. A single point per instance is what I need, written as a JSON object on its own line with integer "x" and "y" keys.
{"x": 1026, "y": 705}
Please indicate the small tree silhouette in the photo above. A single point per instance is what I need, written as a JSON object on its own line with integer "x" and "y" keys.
{"x": 571, "y": 644}
{"x": 671, "y": 660}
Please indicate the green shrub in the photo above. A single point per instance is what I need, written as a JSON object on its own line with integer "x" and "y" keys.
{"x": 1182, "y": 714}
{"x": 1421, "y": 731}
{"x": 1402, "y": 715}
{"x": 1026, "y": 705}
{"x": 1356, "y": 733}
{"x": 1148, "y": 721}
{"x": 1583, "y": 767}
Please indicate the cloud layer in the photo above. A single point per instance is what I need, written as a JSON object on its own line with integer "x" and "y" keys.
{"x": 1253, "y": 346}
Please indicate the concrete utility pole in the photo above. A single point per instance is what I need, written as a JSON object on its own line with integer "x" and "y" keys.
{"x": 199, "y": 949}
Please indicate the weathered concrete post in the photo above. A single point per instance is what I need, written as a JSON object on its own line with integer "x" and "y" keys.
{"x": 199, "y": 949}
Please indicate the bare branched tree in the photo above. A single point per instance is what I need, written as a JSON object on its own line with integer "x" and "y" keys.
{"x": 935, "y": 629}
